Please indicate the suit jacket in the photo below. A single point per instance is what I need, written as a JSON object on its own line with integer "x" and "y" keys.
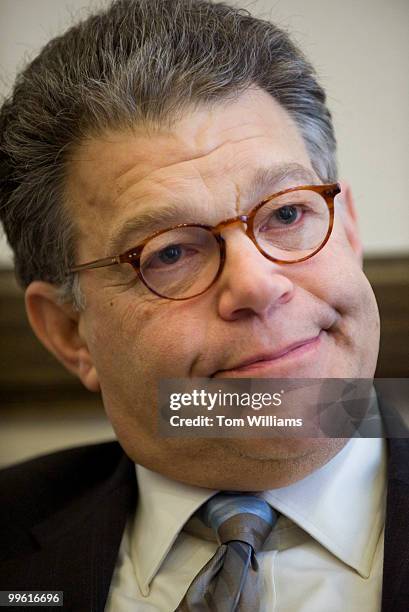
{"x": 62, "y": 518}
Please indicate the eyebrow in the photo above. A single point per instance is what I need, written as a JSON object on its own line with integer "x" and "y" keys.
{"x": 175, "y": 212}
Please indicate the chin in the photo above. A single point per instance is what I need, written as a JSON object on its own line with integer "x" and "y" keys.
{"x": 254, "y": 464}
{"x": 273, "y": 449}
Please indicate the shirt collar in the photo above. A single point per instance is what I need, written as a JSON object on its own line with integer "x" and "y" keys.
{"x": 341, "y": 505}
{"x": 164, "y": 506}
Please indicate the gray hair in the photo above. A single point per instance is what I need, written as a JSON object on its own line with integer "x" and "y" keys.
{"x": 138, "y": 61}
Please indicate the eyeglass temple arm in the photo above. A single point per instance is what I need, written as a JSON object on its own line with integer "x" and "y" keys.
{"x": 99, "y": 263}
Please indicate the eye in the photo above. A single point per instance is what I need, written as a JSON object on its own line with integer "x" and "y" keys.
{"x": 175, "y": 256}
{"x": 170, "y": 254}
{"x": 287, "y": 214}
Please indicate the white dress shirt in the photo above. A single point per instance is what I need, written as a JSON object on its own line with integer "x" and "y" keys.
{"x": 325, "y": 553}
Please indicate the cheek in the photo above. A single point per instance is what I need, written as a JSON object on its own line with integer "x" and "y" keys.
{"x": 336, "y": 272}
{"x": 147, "y": 340}
{"x": 350, "y": 290}
{"x": 335, "y": 277}
{"x": 344, "y": 286}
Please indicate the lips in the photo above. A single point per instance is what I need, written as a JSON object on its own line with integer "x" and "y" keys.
{"x": 260, "y": 358}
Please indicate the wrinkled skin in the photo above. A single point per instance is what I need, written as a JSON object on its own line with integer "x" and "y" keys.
{"x": 127, "y": 338}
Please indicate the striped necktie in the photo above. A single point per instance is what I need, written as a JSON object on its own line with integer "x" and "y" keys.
{"x": 229, "y": 581}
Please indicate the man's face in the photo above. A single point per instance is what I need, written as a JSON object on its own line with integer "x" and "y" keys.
{"x": 205, "y": 164}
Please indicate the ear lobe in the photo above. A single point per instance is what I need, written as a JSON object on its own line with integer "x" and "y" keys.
{"x": 350, "y": 219}
{"x": 57, "y": 327}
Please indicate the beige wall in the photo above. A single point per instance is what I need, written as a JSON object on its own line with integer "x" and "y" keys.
{"x": 31, "y": 430}
{"x": 361, "y": 51}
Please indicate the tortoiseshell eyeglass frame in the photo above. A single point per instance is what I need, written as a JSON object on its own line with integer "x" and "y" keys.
{"x": 132, "y": 256}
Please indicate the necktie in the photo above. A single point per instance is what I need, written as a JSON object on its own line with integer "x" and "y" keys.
{"x": 229, "y": 581}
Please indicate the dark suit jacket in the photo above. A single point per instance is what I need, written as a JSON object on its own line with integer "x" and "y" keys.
{"x": 62, "y": 517}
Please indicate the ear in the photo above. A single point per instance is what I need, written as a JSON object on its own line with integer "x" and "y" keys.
{"x": 350, "y": 219}
{"x": 57, "y": 326}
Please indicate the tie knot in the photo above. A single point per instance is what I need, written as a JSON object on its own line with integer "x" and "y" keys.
{"x": 239, "y": 517}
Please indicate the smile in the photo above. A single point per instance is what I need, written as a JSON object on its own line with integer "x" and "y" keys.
{"x": 260, "y": 363}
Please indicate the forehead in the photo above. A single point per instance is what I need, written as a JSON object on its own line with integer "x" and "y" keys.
{"x": 207, "y": 158}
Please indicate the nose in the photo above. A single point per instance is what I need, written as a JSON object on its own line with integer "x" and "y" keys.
{"x": 250, "y": 284}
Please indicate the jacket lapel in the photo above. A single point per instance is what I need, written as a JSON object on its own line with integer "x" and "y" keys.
{"x": 395, "y": 593}
{"x": 75, "y": 550}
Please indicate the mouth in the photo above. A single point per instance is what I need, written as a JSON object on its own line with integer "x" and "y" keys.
{"x": 264, "y": 361}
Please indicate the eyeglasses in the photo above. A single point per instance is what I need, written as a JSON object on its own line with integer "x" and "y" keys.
{"x": 184, "y": 261}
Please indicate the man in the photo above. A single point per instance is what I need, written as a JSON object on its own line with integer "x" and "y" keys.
{"x": 146, "y": 116}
